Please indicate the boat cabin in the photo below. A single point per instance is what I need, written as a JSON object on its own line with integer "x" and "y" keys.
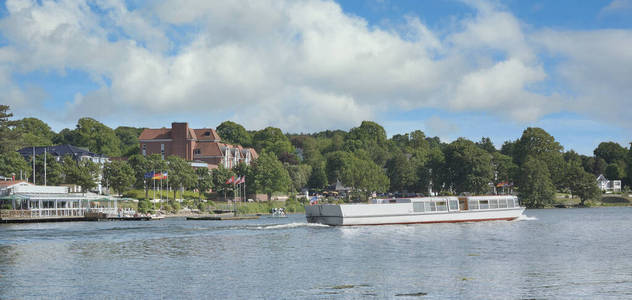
{"x": 451, "y": 203}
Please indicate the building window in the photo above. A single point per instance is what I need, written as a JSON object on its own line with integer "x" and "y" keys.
{"x": 162, "y": 151}
{"x": 196, "y": 151}
{"x": 144, "y": 149}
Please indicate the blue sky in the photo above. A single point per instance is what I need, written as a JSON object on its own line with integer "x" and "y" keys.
{"x": 450, "y": 68}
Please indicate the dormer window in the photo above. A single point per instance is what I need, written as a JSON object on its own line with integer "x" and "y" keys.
{"x": 208, "y": 133}
{"x": 196, "y": 151}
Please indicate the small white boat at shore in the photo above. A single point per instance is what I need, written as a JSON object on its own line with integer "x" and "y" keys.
{"x": 417, "y": 210}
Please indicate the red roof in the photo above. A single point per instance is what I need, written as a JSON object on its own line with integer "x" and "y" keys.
{"x": 10, "y": 183}
{"x": 209, "y": 149}
{"x": 206, "y": 134}
{"x": 155, "y": 134}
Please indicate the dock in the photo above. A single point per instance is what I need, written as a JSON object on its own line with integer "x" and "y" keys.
{"x": 222, "y": 218}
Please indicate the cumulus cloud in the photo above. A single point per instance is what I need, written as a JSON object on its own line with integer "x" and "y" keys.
{"x": 299, "y": 65}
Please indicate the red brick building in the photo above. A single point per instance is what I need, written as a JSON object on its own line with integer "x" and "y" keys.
{"x": 194, "y": 145}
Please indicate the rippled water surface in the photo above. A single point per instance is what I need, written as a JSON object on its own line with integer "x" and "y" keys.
{"x": 561, "y": 253}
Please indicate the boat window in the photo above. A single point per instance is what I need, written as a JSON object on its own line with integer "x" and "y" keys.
{"x": 502, "y": 203}
{"x": 430, "y": 206}
{"x": 392, "y": 201}
{"x": 418, "y": 206}
{"x": 473, "y": 204}
{"x": 484, "y": 204}
{"x": 493, "y": 203}
{"x": 454, "y": 204}
{"x": 441, "y": 206}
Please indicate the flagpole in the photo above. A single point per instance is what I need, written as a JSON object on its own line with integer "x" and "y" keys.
{"x": 154, "y": 181}
{"x": 44, "y": 166}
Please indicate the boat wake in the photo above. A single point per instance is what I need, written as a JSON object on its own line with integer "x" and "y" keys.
{"x": 291, "y": 225}
{"x": 526, "y": 218}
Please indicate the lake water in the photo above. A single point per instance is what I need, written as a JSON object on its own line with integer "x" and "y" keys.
{"x": 556, "y": 253}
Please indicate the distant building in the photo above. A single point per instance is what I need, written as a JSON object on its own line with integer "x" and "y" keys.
{"x": 58, "y": 152}
{"x": 202, "y": 147}
{"x": 608, "y": 186}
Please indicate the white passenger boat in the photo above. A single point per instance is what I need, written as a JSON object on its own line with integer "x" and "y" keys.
{"x": 417, "y": 210}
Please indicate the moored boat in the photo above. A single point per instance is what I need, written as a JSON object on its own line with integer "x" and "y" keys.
{"x": 417, "y": 210}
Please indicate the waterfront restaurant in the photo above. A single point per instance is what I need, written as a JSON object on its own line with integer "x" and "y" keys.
{"x": 19, "y": 199}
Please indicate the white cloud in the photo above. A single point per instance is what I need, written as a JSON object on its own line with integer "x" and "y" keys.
{"x": 300, "y": 65}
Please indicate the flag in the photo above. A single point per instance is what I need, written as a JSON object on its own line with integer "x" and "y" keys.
{"x": 237, "y": 181}
{"x": 243, "y": 180}
{"x": 313, "y": 200}
{"x": 231, "y": 180}
{"x": 149, "y": 174}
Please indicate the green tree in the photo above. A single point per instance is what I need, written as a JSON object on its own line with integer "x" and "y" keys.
{"x": 96, "y": 136}
{"x": 614, "y": 172}
{"x": 581, "y": 183}
{"x": 367, "y": 177}
{"x": 402, "y": 173}
{"x": 231, "y": 132}
{"x": 611, "y": 152}
{"x": 12, "y": 163}
{"x": 318, "y": 178}
{"x": 486, "y": 144}
{"x": 128, "y": 136}
{"x": 118, "y": 175}
{"x": 371, "y": 137}
{"x": 541, "y": 145}
{"x": 468, "y": 167}
{"x": 8, "y": 137}
{"x": 220, "y": 177}
{"x": 299, "y": 174}
{"x": 181, "y": 174}
{"x": 82, "y": 173}
{"x": 204, "y": 181}
{"x": 54, "y": 170}
{"x": 272, "y": 140}
{"x": 535, "y": 186}
{"x": 270, "y": 176}
{"x": 337, "y": 163}
{"x": 504, "y": 168}
{"x": 34, "y": 132}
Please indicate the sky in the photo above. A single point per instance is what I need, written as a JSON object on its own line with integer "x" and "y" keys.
{"x": 451, "y": 68}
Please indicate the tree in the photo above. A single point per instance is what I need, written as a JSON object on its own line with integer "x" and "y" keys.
{"x": 180, "y": 174}
{"x": 34, "y": 132}
{"x": 469, "y": 168}
{"x": 272, "y": 140}
{"x": 581, "y": 183}
{"x": 54, "y": 170}
{"x": 337, "y": 162}
{"x": 220, "y": 177}
{"x": 535, "y": 186}
{"x": 367, "y": 176}
{"x": 96, "y": 136}
{"x": 128, "y": 136}
{"x": 8, "y": 137}
{"x": 118, "y": 175}
{"x": 611, "y": 152}
{"x": 299, "y": 174}
{"x": 487, "y": 145}
{"x": 401, "y": 172}
{"x": 318, "y": 178}
{"x": 270, "y": 176}
{"x": 82, "y": 173}
{"x": 538, "y": 143}
{"x": 12, "y": 163}
{"x": 614, "y": 172}
{"x": 504, "y": 168}
{"x": 371, "y": 137}
{"x": 231, "y": 132}
{"x": 204, "y": 181}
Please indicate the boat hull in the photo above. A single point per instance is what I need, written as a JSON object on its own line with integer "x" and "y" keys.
{"x": 389, "y": 214}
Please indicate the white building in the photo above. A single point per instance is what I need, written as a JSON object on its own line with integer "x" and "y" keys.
{"x": 608, "y": 186}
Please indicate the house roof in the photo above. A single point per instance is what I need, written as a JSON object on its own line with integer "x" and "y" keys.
{"x": 155, "y": 134}
{"x": 59, "y": 150}
{"x": 207, "y": 134}
{"x": 6, "y": 184}
{"x": 209, "y": 149}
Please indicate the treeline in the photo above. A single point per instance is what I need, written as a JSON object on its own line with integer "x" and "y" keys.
{"x": 363, "y": 158}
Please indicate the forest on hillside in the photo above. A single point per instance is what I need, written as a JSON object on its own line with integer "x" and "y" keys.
{"x": 363, "y": 158}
